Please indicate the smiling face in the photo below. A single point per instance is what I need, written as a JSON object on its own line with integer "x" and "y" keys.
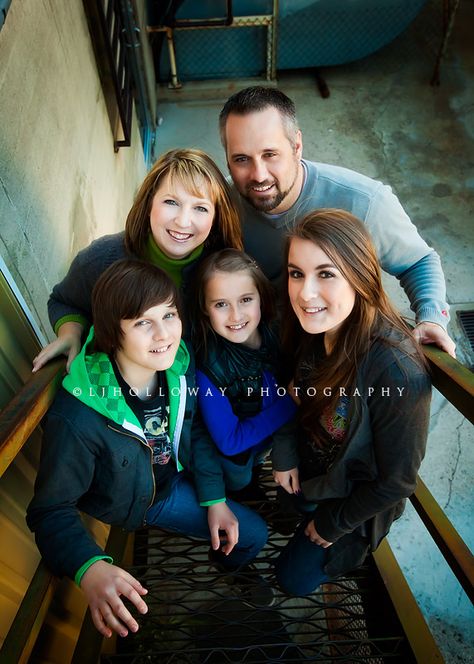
{"x": 320, "y": 295}
{"x": 233, "y": 306}
{"x": 149, "y": 343}
{"x": 179, "y": 221}
{"x": 264, "y": 164}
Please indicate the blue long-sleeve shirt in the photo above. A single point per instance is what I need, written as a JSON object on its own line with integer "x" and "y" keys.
{"x": 233, "y": 435}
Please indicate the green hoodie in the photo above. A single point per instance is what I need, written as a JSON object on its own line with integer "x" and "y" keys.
{"x": 92, "y": 381}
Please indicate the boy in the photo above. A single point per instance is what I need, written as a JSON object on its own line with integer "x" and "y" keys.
{"x": 116, "y": 440}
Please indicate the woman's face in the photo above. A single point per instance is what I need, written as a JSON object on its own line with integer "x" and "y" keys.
{"x": 179, "y": 221}
{"x": 321, "y": 297}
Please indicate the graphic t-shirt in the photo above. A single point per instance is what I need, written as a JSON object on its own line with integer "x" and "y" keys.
{"x": 319, "y": 455}
{"x": 153, "y": 414}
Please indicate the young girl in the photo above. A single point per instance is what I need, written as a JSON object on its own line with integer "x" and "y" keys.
{"x": 182, "y": 212}
{"x": 118, "y": 440}
{"x": 364, "y": 395}
{"x": 238, "y": 359}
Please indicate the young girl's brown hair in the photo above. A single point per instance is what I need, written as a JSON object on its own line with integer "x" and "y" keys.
{"x": 228, "y": 261}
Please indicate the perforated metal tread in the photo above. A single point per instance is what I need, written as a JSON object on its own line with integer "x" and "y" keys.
{"x": 466, "y": 318}
{"x": 196, "y": 617}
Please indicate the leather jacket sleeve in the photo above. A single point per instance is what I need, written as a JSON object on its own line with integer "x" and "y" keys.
{"x": 53, "y": 514}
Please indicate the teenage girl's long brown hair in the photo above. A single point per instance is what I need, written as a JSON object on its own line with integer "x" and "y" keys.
{"x": 347, "y": 243}
{"x": 198, "y": 173}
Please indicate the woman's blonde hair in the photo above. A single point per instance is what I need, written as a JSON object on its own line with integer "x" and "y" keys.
{"x": 347, "y": 243}
{"x": 194, "y": 170}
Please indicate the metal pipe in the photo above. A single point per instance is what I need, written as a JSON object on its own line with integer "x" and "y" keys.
{"x": 175, "y": 84}
{"x": 274, "y": 44}
{"x": 135, "y": 54}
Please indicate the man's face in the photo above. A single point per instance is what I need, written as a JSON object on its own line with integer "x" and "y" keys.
{"x": 264, "y": 165}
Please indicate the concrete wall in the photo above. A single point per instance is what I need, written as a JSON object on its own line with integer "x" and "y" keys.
{"x": 61, "y": 184}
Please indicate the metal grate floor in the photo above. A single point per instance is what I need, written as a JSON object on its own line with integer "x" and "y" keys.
{"x": 466, "y": 319}
{"x": 196, "y": 616}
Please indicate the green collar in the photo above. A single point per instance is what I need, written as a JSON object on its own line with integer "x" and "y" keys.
{"x": 92, "y": 381}
{"x": 172, "y": 266}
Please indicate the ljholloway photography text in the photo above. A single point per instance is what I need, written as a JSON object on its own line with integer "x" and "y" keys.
{"x": 264, "y": 391}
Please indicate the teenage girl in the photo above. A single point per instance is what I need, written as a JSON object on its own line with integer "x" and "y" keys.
{"x": 182, "y": 211}
{"x": 238, "y": 361}
{"x": 364, "y": 401}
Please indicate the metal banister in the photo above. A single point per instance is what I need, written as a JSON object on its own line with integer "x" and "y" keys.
{"x": 18, "y": 420}
{"x": 452, "y": 379}
{"x": 20, "y": 417}
{"x": 446, "y": 537}
{"x": 33, "y": 399}
{"x": 23, "y": 413}
{"x": 23, "y": 632}
{"x": 456, "y": 383}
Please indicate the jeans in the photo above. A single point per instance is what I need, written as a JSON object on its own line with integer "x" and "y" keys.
{"x": 300, "y": 566}
{"x": 239, "y": 476}
{"x": 180, "y": 512}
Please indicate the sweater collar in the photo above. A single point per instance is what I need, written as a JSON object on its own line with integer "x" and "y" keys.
{"x": 172, "y": 266}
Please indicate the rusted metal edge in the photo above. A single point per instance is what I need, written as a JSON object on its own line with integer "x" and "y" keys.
{"x": 446, "y": 537}
{"x": 452, "y": 379}
{"x": 413, "y": 622}
{"x": 22, "y": 415}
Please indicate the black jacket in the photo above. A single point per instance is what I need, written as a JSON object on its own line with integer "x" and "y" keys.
{"x": 376, "y": 467}
{"x": 95, "y": 458}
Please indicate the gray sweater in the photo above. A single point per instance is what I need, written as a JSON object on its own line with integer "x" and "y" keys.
{"x": 402, "y": 252}
{"x": 71, "y": 298}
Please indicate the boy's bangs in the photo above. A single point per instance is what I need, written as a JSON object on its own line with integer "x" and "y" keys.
{"x": 148, "y": 301}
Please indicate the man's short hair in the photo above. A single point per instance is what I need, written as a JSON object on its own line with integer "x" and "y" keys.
{"x": 127, "y": 289}
{"x": 258, "y": 98}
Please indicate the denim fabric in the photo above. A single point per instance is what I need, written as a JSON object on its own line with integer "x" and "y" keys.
{"x": 239, "y": 476}
{"x": 180, "y": 512}
{"x": 300, "y": 566}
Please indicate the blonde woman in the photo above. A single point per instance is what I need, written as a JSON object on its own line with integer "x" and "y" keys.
{"x": 182, "y": 212}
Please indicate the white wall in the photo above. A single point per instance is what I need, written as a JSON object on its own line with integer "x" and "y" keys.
{"x": 61, "y": 184}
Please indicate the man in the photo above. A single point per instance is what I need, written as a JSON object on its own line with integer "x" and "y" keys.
{"x": 263, "y": 144}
